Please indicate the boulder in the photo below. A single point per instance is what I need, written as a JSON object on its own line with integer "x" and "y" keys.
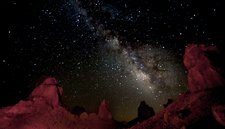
{"x": 48, "y": 91}
{"x": 104, "y": 110}
{"x": 204, "y": 67}
{"x": 84, "y": 116}
{"x": 144, "y": 111}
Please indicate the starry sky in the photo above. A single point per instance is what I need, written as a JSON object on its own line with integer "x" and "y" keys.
{"x": 124, "y": 51}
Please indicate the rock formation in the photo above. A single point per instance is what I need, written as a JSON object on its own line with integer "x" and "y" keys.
{"x": 145, "y": 112}
{"x": 204, "y": 106}
{"x": 84, "y": 116}
{"x": 43, "y": 111}
{"x": 104, "y": 110}
{"x": 204, "y": 67}
{"x": 190, "y": 111}
{"x": 219, "y": 113}
{"x": 48, "y": 91}
{"x": 93, "y": 116}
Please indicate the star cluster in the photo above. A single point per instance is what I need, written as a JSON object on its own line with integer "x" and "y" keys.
{"x": 123, "y": 51}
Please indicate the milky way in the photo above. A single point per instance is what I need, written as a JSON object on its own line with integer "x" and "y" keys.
{"x": 126, "y": 76}
{"x": 122, "y": 51}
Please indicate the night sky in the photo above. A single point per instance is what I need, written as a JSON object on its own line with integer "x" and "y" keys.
{"x": 124, "y": 51}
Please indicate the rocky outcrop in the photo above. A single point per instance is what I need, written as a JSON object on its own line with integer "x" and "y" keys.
{"x": 204, "y": 105}
{"x": 84, "y": 116}
{"x": 190, "y": 111}
{"x": 48, "y": 91}
{"x": 219, "y": 113}
{"x": 204, "y": 67}
{"x": 145, "y": 112}
{"x": 104, "y": 110}
{"x": 43, "y": 111}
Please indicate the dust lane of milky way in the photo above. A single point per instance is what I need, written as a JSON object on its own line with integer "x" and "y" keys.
{"x": 125, "y": 76}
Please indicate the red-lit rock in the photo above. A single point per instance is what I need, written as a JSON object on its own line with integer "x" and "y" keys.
{"x": 93, "y": 116}
{"x": 37, "y": 113}
{"x": 193, "y": 111}
{"x": 104, "y": 110}
{"x": 84, "y": 116}
{"x": 48, "y": 91}
{"x": 202, "y": 62}
{"x": 219, "y": 113}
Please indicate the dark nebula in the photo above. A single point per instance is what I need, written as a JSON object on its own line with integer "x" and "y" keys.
{"x": 123, "y": 51}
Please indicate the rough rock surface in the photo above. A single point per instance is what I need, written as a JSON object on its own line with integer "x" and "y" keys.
{"x": 43, "y": 111}
{"x": 84, "y": 116}
{"x": 104, "y": 110}
{"x": 204, "y": 67}
{"x": 93, "y": 116}
{"x": 145, "y": 112}
{"x": 219, "y": 113}
{"x": 48, "y": 91}
{"x": 190, "y": 111}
